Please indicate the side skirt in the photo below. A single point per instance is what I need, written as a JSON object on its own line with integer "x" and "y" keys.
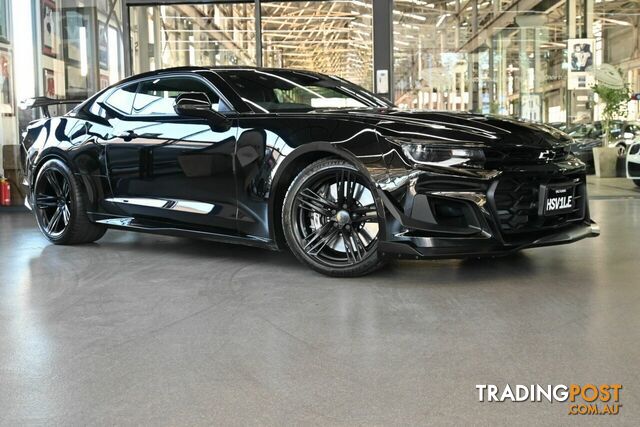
{"x": 133, "y": 224}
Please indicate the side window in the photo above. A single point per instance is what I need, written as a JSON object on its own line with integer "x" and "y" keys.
{"x": 157, "y": 97}
{"x": 122, "y": 99}
{"x": 316, "y": 97}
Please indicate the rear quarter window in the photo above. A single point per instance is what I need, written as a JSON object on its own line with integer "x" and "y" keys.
{"x": 122, "y": 98}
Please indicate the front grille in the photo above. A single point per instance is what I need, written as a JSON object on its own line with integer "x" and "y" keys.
{"x": 515, "y": 200}
{"x": 526, "y": 155}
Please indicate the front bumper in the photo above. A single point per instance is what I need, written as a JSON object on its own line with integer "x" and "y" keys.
{"x": 434, "y": 215}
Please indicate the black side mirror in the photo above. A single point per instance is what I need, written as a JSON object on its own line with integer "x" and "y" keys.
{"x": 198, "y": 105}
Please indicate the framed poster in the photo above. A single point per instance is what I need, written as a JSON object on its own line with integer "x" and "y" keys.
{"x": 49, "y": 83}
{"x": 79, "y": 33}
{"x": 4, "y": 21}
{"x": 104, "y": 81}
{"x": 103, "y": 45}
{"x": 49, "y": 29}
{"x": 76, "y": 85}
{"x": 581, "y": 60}
{"x": 531, "y": 107}
{"x": 75, "y": 35}
{"x": 6, "y": 83}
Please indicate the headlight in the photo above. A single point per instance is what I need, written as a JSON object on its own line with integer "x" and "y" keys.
{"x": 436, "y": 154}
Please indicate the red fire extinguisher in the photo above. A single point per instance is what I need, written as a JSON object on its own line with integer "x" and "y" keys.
{"x": 5, "y": 192}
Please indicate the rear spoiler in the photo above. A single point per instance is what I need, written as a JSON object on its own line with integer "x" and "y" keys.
{"x": 43, "y": 102}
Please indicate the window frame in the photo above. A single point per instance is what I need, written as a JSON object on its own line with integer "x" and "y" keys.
{"x": 139, "y": 81}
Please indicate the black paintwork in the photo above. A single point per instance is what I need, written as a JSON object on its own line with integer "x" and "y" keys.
{"x": 244, "y": 169}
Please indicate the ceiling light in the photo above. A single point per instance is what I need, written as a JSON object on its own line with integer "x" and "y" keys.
{"x": 616, "y": 21}
{"x": 441, "y": 19}
{"x": 360, "y": 3}
{"x": 411, "y": 15}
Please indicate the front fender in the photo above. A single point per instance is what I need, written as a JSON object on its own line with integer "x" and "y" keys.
{"x": 308, "y": 153}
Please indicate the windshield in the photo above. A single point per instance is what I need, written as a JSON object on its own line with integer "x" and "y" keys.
{"x": 273, "y": 91}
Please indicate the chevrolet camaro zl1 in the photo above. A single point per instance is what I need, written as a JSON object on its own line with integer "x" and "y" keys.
{"x": 283, "y": 158}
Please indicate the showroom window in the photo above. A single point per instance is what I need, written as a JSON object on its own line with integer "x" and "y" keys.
{"x": 331, "y": 37}
{"x": 430, "y": 72}
{"x": 80, "y": 47}
{"x": 188, "y": 34}
{"x": 492, "y": 57}
{"x": 8, "y": 128}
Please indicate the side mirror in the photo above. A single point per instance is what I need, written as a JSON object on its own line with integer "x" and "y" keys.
{"x": 198, "y": 105}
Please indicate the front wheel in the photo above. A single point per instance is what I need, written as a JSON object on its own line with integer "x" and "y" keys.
{"x": 330, "y": 220}
{"x": 60, "y": 206}
{"x": 637, "y": 182}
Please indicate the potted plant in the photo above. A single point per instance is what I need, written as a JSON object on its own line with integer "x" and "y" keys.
{"x": 615, "y": 98}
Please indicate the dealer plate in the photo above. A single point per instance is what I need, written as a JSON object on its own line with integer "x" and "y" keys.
{"x": 557, "y": 199}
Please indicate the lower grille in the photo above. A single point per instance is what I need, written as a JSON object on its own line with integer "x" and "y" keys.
{"x": 515, "y": 200}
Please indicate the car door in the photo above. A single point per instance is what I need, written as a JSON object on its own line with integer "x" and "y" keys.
{"x": 169, "y": 168}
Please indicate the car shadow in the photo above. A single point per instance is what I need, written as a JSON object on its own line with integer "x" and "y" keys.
{"x": 460, "y": 272}
{"x": 397, "y": 273}
{"x": 193, "y": 248}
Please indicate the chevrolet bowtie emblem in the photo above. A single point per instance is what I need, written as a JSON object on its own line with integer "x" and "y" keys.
{"x": 547, "y": 155}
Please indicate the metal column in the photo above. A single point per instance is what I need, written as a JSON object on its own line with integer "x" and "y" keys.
{"x": 383, "y": 47}
{"x": 474, "y": 68}
{"x": 571, "y": 103}
{"x": 126, "y": 41}
{"x": 258, "y": 27}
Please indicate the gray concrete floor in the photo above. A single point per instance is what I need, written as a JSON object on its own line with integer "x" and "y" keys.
{"x": 141, "y": 329}
{"x": 611, "y": 188}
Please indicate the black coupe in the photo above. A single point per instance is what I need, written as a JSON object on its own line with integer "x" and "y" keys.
{"x": 283, "y": 158}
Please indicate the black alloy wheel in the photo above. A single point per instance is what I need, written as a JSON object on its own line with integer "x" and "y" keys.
{"x": 331, "y": 220}
{"x": 53, "y": 201}
{"x": 60, "y": 206}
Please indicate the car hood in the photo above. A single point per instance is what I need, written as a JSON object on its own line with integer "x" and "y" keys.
{"x": 456, "y": 128}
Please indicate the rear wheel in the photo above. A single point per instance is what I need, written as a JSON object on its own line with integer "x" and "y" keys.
{"x": 330, "y": 220}
{"x": 637, "y": 182}
{"x": 60, "y": 206}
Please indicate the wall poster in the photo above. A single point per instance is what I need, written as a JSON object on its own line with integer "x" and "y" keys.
{"x": 580, "y": 73}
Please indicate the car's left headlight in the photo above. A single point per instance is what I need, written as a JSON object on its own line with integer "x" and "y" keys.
{"x": 438, "y": 154}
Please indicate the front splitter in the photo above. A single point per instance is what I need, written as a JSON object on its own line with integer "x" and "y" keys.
{"x": 480, "y": 247}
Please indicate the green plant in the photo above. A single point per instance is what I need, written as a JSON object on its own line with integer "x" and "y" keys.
{"x": 615, "y": 106}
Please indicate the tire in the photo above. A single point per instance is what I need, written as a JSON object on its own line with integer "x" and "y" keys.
{"x": 637, "y": 182}
{"x": 60, "y": 206}
{"x": 334, "y": 235}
